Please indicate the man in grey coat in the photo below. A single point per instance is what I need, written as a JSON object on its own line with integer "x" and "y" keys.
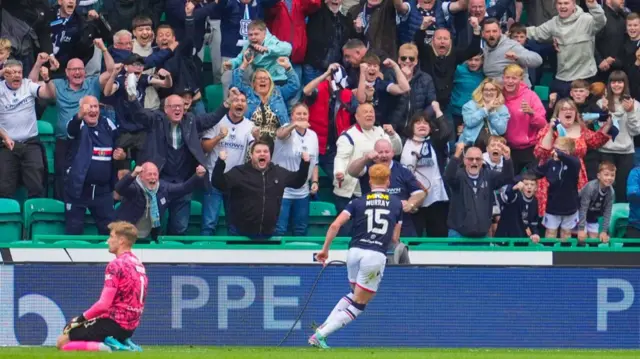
{"x": 573, "y": 31}
{"x": 502, "y": 51}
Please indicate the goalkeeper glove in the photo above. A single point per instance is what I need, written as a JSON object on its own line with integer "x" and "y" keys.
{"x": 74, "y": 323}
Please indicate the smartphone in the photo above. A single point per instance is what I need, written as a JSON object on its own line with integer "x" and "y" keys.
{"x": 625, "y": 97}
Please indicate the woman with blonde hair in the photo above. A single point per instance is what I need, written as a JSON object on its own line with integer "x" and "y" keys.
{"x": 484, "y": 115}
{"x": 566, "y": 122}
{"x": 267, "y": 102}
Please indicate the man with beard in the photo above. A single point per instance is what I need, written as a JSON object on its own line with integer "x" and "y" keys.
{"x": 145, "y": 197}
{"x": 256, "y": 189}
{"x": 90, "y": 174}
{"x": 502, "y": 51}
{"x": 477, "y": 9}
{"x": 233, "y": 134}
{"x": 574, "y": 32}
{"x": 610, "y": 40}
{"x": 440, "y": 59}
{"x": 472, "y": 186}
{"x": 173, "y": 145}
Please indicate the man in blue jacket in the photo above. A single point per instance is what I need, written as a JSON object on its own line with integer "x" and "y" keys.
{"x": 145, "y": 197}
{"x": 90, "y": 175}
{"x": 173, "y": 144}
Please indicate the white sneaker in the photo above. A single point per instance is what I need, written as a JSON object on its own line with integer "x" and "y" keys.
{"x": 132, "y": 85}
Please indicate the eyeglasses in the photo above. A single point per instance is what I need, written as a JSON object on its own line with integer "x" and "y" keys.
{"x": 405, "y": 58}
{"x": 489, "y": 90}
{"x": 474, "y": 159}
{"x": 174, "y": 107}
{"x": 75, "y": 69}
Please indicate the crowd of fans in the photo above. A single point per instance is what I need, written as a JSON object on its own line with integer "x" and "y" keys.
{"x": 440, "y": 91}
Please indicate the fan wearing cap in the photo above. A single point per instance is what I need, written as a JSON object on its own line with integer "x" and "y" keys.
{"x": 131, "y": 83}
{"x": 331, "y": 109}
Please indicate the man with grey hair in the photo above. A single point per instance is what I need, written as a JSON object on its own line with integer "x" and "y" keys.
{"x": 403, "y": 183}
{"x": 21, "y": 153}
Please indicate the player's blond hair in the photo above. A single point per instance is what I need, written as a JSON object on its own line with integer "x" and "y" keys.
{"x": 379, "y": 174}
{"x": 124, "y": 229}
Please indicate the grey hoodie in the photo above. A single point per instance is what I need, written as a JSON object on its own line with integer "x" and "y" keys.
{"x": 576, "y": 40}
{"x": 495, "y": 61}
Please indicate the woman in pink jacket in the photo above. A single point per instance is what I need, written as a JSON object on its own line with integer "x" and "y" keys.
{"x": 527, "y": 117}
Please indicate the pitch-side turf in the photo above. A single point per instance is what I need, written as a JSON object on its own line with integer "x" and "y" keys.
{"x": 188, "y": 352}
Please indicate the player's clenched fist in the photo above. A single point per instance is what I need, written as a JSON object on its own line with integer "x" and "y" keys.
{"x": 200, "y": 171}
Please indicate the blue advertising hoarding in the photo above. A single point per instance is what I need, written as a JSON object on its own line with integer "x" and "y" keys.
{"x": 415, "y": 307}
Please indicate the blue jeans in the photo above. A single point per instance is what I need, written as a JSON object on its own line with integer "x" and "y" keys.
{"x": 179, "y": 213}
{"x": 211, "y": 204}
{"x": 308, "y": 74}
{"x": 454, "y": 234}
{"x": 295, "y": 211}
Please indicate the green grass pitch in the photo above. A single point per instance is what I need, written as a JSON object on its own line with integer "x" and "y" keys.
{"x": 187, "y": 352}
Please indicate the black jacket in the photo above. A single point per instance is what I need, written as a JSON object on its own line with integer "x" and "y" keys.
{"x": 157, "y": 126}
{"x": 255, "y": 197}
{"x": 611, "y": 39}
{"x": 470, "y": 212}
{"x": 36, "y": 14}
{"x": 419, "y": 98}
{"x": 443, "y": 68}
{"x": 321, "y": 31}
{"x": 134, "y": 201}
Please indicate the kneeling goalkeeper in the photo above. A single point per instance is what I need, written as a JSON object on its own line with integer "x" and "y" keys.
{"x": 109, "y": 324}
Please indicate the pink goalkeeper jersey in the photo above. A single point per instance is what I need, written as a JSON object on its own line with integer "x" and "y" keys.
{"x": 128, "y": 276}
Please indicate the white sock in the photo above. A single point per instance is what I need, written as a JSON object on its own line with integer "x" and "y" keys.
{"x": 343, "y": 303}
{"x": 341, "y": 319}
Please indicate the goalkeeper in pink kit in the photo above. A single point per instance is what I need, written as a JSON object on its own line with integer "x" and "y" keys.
{"x": 109, "y": 324}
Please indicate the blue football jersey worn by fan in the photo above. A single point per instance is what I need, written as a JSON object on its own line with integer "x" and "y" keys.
{"x": 374, "y": 217}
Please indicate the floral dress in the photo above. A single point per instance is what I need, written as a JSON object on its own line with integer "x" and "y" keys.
{"x": 588, "y": 140}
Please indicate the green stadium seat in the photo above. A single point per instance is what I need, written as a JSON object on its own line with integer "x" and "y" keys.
{"x": 43, "y": 216}
{"x": 321, "y": 215}
{"x": 163, "y": 17}
{"x": 213, "y": 95}
{"x": 45, "y": 133}
{"x": 50, "y": 115}
{"x": 21, "y": 195}
{"x": 69, "y": 242}
{"x": 206, "y": 58}
{"x": 547, "y": 78}
{"x": 10, "y": 220}
{"x": 195, "y": 219}
{"x": 542, "y": 92}
{"x": 619, "y": 220}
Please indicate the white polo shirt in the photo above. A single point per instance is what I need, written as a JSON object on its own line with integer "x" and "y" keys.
{"x": 287, "y": 154}
{"x": 236, "y": 144}
{"x": 18, "y": 111}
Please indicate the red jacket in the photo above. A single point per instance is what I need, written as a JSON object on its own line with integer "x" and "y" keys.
{"x": 291, "y": 27}
{"x": 319, "y": 115}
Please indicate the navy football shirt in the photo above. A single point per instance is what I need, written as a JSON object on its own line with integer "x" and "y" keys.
{"x": 374, "y": 217}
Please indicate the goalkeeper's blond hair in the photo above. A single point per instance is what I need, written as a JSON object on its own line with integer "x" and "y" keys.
{"x": 379, "y": 175}
{"x": 124, "y": 229}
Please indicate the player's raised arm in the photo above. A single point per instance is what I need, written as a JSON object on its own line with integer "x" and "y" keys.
{"x": 334, "y": 228}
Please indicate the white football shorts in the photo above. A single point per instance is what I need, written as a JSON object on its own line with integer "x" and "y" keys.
{"x": 365, "y": 268}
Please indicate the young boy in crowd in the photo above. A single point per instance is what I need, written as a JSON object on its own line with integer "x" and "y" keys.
{"x": 264, "y": 49}
{"x": 520, "y": 210}
{"x": 494, "y": 161}
{"x": 596, "y": 200}
{"x": 631, "y": 40}
{"x": 561, "y": 171}
{"x": 518, "y": 32}
{"x": 373, "y": 89}
{"x": 5, "y": 52}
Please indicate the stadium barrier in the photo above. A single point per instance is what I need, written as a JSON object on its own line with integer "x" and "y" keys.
{"x": 417, "y": 306}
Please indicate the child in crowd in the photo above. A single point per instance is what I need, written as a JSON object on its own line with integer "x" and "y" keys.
{"x": 561, "y": 171}
{"x": 494, "y": 161}
{"x": 518, "y": 32}
{"x": 585, "y": 97}
{"x": 5, "y": 52}
{"x": 596, "y": 200}
{"x": 467, "y": 78}
{"x": 520, "y": 210}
